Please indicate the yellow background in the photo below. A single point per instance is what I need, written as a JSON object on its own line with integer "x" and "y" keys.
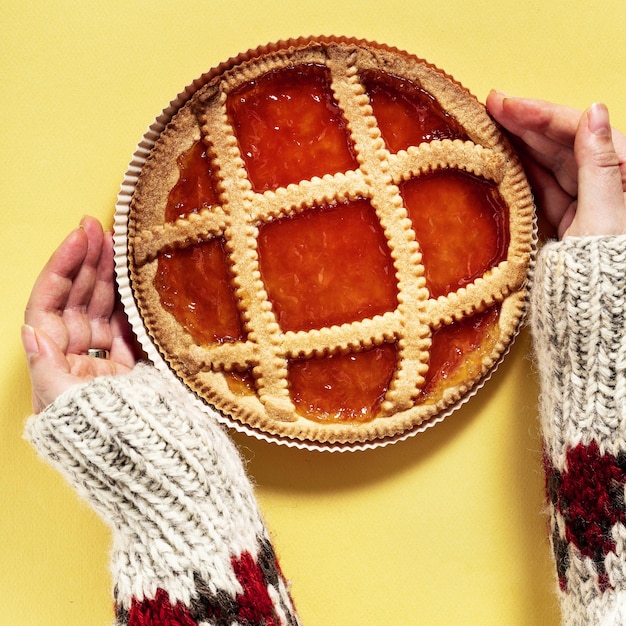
{"x": 445, "y": 528}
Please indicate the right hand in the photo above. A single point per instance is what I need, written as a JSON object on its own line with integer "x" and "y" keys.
{"x": 74, "y": 307}
{"x": 576, "y": 162}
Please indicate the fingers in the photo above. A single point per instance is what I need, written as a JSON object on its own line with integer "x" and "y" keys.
{"x": 52, "y": 289}
{"x": 47, "y": 365}
{"x": 52, "y": 372}
{"x": 80, "y": 306}
{"x": 528, "y": 116}
{"x": 601, "y": 209}
{"x": 103, "y": 296}
{"x": 74, "y": 296}
{"x": 576, "y": 162}
{"x": 73, "y": 307}
{"x": 125, "y": 347}
{"x": 554, "y": 203}
{"x": 545, "y": 130}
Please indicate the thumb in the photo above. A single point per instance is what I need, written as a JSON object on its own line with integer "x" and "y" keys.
{"x": 601, "y": 209}
{"x": 47, "y": 365}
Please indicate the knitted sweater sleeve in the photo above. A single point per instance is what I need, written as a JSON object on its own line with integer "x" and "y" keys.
{"x": 189, "y": 544}
{"x": 578, "y": 323}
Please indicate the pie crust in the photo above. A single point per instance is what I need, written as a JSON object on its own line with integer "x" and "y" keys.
{"x": 438, "y": 338}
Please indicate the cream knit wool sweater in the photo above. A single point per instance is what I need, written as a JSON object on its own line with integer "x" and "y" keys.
{"x": 578, "y": 317}
{"x": 190, "y": 546}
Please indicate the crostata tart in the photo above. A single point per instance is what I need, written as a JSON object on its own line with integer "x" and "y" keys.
{"x": 329, "y": 241}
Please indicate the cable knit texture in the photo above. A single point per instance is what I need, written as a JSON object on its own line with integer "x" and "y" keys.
{"x": 578, "y": 322}
{"x": 189, "y": 544}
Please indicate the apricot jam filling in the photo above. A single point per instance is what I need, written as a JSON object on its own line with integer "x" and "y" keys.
{"x": 194, "y": 284}
{"x": 457, "y": 351}
{"x": 241, "y": 383}
{"x": 327, "y": 265}
{"x": 406, "y": 114}
{"x": 344, "y": 387}
{"x": 289, "y": 127}
{"x": 461, "y": 225}
{"x": 351, "y": 387}
{"x": 196, "y": 188}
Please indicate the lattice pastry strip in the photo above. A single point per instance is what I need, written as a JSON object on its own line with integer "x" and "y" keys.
{"x": 377, "y": 177}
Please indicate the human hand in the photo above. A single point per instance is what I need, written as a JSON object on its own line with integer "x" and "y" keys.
{"x": 575, "y": 161}
{"x": 73, "y": 307}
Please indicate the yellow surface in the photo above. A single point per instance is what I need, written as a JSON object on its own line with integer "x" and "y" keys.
{"x": 445, "y": 528}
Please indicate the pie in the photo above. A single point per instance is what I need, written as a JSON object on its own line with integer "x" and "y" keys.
{"x": 330, "y": 241}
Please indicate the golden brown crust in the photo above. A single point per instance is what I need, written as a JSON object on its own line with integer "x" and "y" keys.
{"x": 266, "y": 348}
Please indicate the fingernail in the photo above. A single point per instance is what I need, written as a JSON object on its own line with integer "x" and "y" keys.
{"x": 598, "y": 119}
{"x": 498, "y": 93}
{"x": 29, "y": 340}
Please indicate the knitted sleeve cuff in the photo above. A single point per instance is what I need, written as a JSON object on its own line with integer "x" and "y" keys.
{"x": 578, "y": 318}
{"x": 164, "y": 476}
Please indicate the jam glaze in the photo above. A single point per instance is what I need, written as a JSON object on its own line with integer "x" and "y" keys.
{"x": 196, "y": 188}
{"x": 195, "y": 286}
{"x": 330, "y": 264}
{"x": 407, "y": 115}
{"x": 289, "y": 127}
{"x": 452, "y": 349}
{"x": 344, "y": 387}
{"x": 327, "y": 266}
{"x": 474, "y": 218}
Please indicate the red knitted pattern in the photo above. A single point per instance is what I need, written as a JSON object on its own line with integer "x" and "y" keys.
{"x": 589, "y": 495}
{"x": 255, "y": 604}
{"x": 159, "y": 612}
{"x": 252, "y": 607}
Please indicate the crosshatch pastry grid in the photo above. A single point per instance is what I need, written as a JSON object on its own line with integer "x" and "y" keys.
{"x": 241, "y": 211}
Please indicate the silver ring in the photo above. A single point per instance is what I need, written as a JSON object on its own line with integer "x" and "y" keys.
{"x": 97, "y": 353}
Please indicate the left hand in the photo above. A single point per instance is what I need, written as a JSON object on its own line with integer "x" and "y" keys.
{"x": 74, "y": 307}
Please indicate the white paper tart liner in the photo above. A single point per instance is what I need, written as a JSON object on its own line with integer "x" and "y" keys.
{"x": 122, "y": 213}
